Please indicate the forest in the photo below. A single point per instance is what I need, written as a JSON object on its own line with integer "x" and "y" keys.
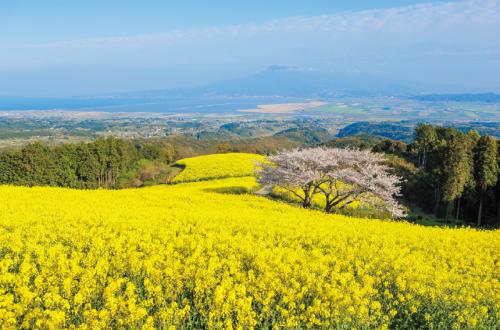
{"x": 457, "y": 174}
{"x": 448, "y": 174}
{"x": 104, "y": 163}
{"x": 116, "y": 163}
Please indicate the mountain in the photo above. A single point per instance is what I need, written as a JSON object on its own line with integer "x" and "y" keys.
{"x": 290, "y": 81}
{"x": 287, "y": 82}
{"x": 299, "y": 82}
{"x": 390, "y": 130}
{"x": 403, "y": 130}
{"x": 276, "y": 80}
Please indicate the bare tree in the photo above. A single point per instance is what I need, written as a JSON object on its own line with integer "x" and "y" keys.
{"x": 342, "y": 176}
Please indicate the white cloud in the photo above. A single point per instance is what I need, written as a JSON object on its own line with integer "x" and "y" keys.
{"x": 451, "y": 41}
{"x": 460, "y": 22}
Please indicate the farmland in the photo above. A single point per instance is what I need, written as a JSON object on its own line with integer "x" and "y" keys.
{"x": 211, "y": 254}
{"x": 217, "y": 166}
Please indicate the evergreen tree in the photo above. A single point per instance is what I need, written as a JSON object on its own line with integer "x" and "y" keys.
{"x": 168, "y": 153}
{"x": 66, "y": 160}
{"x": 10, "y": 163}
{"x": 127, "y": 156}
{"x": 485, "y": 169}
{"x": 151, "y": 151}
{"x": 37, "y": 165}
{"x": 87, "y": 168}
{"x": 456, "y": 166}
{"x": 99, "y": 149}
{"x": 473, "y": 136}
{"x": 469, "y": 194}
{"x": 424, "y": 142}
{"x": 113, "y": 162}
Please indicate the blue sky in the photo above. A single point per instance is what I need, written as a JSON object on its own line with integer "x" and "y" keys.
{"x": 46, "y": 20}
{"x": 74, "y": 47}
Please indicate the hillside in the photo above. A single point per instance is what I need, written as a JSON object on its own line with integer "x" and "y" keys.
{"x": 464, "y": 97}
{"x": 209, "y": 255}
{"x": 403, "y": 130}
{"x": 216, "y": 166}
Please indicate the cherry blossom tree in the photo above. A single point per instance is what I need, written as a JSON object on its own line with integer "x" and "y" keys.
{"x": 342, "y": 176}
{"x": 297, "y": 171}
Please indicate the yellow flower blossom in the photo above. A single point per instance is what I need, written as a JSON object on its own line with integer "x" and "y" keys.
{"x": 194, "y": 255}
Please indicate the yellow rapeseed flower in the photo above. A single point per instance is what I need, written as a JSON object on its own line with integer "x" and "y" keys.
{"x": 194, "y": 255}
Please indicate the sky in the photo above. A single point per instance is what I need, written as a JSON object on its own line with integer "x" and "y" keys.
{"x": 57, "y": 48}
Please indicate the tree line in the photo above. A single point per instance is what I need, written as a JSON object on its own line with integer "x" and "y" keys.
{"x": 117, "y": 163}
{"x": 455, "y": 175}
{"x": 104, "y": 163}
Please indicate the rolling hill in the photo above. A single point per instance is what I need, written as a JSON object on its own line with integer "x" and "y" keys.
{"x": 209, "y": 254}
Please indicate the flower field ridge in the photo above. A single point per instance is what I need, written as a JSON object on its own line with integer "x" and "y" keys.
{"x": 217, "y": 166}
{"x": 207, "y": 255}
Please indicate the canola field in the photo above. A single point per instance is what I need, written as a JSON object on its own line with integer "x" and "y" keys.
{"x": 217, "y": 166}
{"x": 207, "y": 255}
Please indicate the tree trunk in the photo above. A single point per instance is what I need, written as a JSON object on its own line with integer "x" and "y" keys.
{"x": 437, "y": 198}
{"x": 307, "y": 201}
{"x": 480, "y": 210}
{"x": 449, "y": 209}
{"x": 498, "y": 215}
{"x": 328, "y": 207}
{"x": 458, "y": 208}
